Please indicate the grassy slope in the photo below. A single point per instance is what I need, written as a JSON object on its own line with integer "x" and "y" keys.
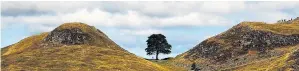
{"x": 98, "y": 37}
{"x": 169, "y": 64}
{"x": 104, "y": 56}
{"x": 275, "y": 63}
{"x": 278, "y": 62}
{"x": 24, "y": 44}
{"x": 78, "y": 57}
{"x": 285, "y": 29}
{"x": 85, "y": 57}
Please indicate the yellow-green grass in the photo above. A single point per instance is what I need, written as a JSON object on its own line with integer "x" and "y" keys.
{"x": 25, "y": 44}
{"x": 170, "y": 64}
{"x": 79, "y": 25}
{"x": 285, "y": 29}
{"x": 84, "y": 27}
{"x": 271, "y": 64}
{"x": 96, "y": 35}
{"x": 33, "y": 54}
{"x": 78, "y": 58}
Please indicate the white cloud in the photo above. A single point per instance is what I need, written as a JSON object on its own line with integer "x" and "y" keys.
{"x": 272, "y": 6}
{"x": 134, "y": 19}
{"x": 47, "y": 6}
{"x": 222, "y": 7}
{"x": 131, "y": 19}
{"x": 150, "y": 8}
{"x": 139, "y": 14}
{"x": 141, "y": 32}
{"x": 195, "y": 19}
{"x": 271, "y": 11}
{"x": 271, "y": 17}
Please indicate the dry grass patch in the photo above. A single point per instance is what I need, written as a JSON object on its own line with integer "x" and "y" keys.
{"x": 24, "y": 44}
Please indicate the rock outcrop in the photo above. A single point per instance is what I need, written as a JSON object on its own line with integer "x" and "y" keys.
{"x": 77, "y": 33}
{"x": 295, "y": 57}
{"x": 246, "y": 43}
{"x": 68, "y": 36}
{"x": 238, "y": 41}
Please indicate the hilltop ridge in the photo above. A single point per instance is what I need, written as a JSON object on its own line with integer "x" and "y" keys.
{"x": 242, "y": 44}
{"x": 77, "y": 33}
{"x": 72, "y": 46}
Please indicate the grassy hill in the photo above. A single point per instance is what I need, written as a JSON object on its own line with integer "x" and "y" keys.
{"x": 72, "y": 47}
{"x": 248, "y": 46}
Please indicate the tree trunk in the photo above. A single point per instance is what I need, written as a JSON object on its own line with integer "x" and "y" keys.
{"x": 157, "y": 53}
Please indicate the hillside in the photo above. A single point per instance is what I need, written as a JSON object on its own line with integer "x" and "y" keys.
{"x": 247, "y": 46}
{"x": 72, "y": 47}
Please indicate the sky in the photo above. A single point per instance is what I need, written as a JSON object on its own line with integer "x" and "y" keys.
{"x": 185, "y": 24}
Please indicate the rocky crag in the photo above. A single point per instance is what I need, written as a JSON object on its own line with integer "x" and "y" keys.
{"x": 245, "y": 43}
{"x": 68, "y": 36}
{"x": 240, "y": 40}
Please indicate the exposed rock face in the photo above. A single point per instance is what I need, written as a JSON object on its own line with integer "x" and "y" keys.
{"x": 295, "y": 57}
{"x": 258, "y": 40}
{"x": 261, "y": 41}
{"x": 68, "y": 36}
{"x": 239, "y": 41}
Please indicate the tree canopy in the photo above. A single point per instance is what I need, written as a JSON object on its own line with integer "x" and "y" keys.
{"x": 156, "y": 44}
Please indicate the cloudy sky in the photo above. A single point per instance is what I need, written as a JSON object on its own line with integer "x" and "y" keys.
{"x": 185, "y": 24}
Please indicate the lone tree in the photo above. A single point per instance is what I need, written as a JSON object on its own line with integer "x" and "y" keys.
{"x": 156, "y": 44}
